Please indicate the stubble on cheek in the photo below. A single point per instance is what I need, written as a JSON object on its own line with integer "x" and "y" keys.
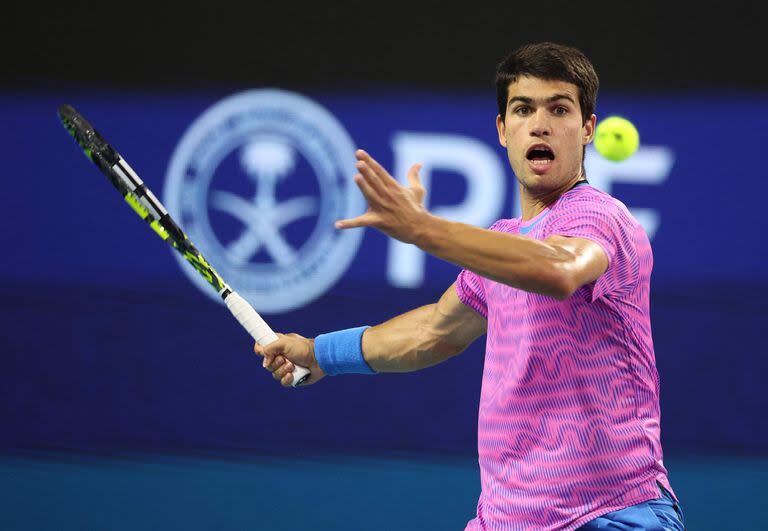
{"x": 519, "y": 163}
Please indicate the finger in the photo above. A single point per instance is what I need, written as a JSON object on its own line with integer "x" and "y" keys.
{"x": 284, "y": 369}
{"x": 279, "y": 372}
{"x": 275, "y": 363}
{"x": 258, "y": 349}
{"x": 287, "y": 380}
{"x": 366, "y": 220}
{"x": 368, "y": 190}
{"x": 375, "y": 166}
{"x": 371, "y": 178}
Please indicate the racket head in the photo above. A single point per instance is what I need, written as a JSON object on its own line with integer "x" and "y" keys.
{"x": 90, "y": 141}
{"x": 108, "y": 160}
{"x": 138, "y": 195}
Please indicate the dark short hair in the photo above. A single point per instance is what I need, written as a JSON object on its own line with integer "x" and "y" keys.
{"x": 550, "y": 61}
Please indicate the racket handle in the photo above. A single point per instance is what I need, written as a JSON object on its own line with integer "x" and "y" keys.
{"x": 259, "y": 330}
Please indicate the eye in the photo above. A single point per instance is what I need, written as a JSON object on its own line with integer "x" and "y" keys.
{"x": 560, "y": 110}
{"x": 523, "y": 110}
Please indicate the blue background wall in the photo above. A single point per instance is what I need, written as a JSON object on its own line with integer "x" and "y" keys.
{"x": 106, "y": 344}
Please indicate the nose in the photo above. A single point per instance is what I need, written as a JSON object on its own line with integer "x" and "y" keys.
{"x": 540, "y": 124}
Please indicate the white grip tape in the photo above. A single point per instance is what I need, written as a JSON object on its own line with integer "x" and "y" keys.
{"x": 258, "y": 328}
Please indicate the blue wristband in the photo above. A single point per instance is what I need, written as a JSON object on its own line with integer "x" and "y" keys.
{"x": 342, "y": 352}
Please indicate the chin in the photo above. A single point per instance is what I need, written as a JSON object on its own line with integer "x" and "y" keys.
{"x": 539, "y": 183}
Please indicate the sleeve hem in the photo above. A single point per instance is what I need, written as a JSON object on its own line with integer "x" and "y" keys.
{"x": 472, "y": 303}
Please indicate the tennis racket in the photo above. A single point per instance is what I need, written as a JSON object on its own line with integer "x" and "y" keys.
{"x": 145, "y": 204}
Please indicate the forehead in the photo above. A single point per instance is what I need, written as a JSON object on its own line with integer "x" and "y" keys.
{"x": 537, "y": 88}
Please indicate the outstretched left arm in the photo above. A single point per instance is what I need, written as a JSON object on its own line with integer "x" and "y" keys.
{"x": 556, "y": 267}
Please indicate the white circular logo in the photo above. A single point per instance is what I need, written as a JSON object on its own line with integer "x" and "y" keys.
{"x": 256, "y": 182}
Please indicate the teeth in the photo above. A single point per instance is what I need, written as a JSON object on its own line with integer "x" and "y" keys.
{"x": 541, "y": 147}
{"x": 541, "y": 162}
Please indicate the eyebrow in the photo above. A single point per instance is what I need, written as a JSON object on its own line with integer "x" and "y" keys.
{"x": 555, "y": 97}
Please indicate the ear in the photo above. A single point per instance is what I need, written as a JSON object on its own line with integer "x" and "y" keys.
{"x": 589, "y": 129}
{"x": 501, "y": 129}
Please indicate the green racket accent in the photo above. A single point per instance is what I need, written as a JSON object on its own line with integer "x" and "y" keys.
{"x": 137, "y": 207}
{"x": 107, "y": 159}
{"x": 159, "y": 230}
{"x": 204, "y": 268}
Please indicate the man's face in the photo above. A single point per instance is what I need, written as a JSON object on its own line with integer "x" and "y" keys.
{"x": 543, "y": 132}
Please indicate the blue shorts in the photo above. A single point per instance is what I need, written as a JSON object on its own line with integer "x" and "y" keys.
{"x": 663, "y": 514}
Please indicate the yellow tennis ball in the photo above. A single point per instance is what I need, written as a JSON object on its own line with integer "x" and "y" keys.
{"x": 616, "y": 138}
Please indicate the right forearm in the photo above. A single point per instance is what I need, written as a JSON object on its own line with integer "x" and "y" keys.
{"x": 408, "y": 342}
{"x": 420, "y": 338}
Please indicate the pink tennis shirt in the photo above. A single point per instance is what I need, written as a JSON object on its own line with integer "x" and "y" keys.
{"x": 568, "y": 426}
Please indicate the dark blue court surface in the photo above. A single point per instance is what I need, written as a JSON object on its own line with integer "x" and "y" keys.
{"x": 74, "y": 492}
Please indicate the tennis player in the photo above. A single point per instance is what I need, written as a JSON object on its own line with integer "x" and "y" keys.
{"x": 568, "y": 430}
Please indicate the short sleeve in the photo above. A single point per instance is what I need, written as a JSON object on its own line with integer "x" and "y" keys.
{"x": 608, "y": 224}
{"x": 470, "y": 289}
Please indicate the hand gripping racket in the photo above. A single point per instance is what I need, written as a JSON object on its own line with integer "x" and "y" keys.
{"x": 145, "y": 204}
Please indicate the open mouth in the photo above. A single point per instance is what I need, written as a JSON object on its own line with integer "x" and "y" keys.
{"x": 540, "y": 154}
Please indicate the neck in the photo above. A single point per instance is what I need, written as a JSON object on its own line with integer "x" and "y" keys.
{"x": 533, "y": 202}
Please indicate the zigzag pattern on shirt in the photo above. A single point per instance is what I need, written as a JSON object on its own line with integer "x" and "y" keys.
{"x": 569, "y": 414}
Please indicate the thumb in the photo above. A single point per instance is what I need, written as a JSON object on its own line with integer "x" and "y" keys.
{"x": 275, "y": 348}
{"x": 415, "y": 181}
{"x": 365, "y": 220}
